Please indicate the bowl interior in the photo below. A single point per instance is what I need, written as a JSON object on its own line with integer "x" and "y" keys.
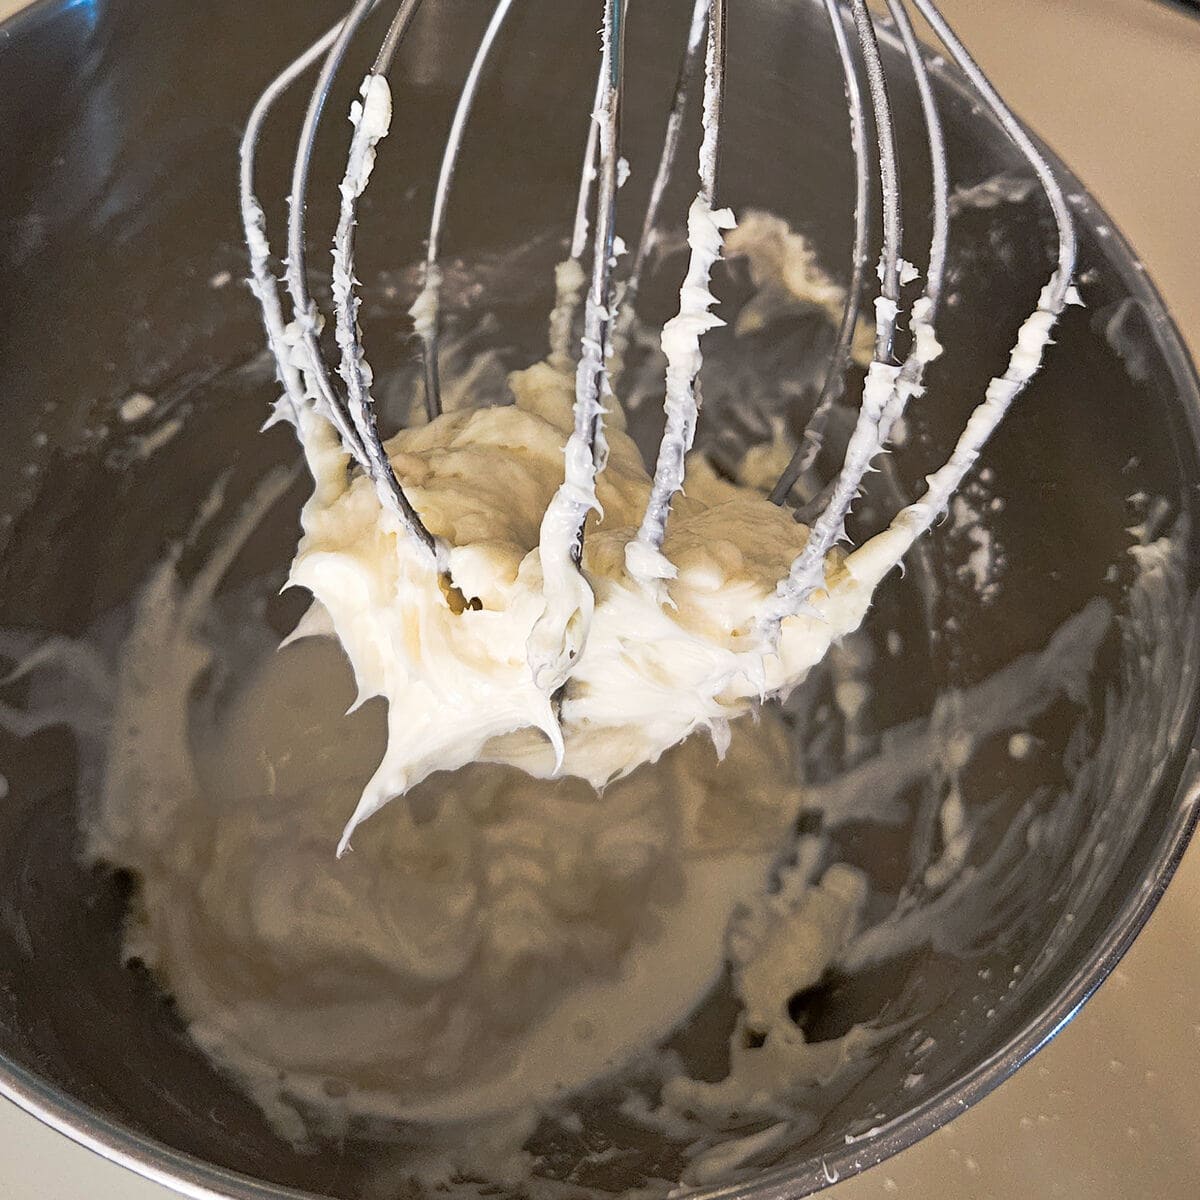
{"x": 118, "y": 237}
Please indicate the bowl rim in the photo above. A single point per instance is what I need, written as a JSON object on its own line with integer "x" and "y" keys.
{"x": 199, "y": 1179}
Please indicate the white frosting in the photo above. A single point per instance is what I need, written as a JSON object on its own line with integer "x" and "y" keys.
{"x": 372, "y": 118}
{"x": 569, "y": 282}
{"x": 491, "y": 947}
{"x": 779, "y": 947}
{"x": 788, "y": 277}
{"x": 681, "y": 345}
{"x": 552, "y": 654}
{"x": 992, "y": 192}
{"x": 426, "y": 307}
{"x": 496, "y": 943}
{"x": 456, "y": 674}
{"x": 570, "y": 653}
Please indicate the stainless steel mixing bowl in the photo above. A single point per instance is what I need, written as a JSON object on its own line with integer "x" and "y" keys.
{"x": 119, "y": 121}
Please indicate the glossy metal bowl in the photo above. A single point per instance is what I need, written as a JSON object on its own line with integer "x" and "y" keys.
{"x": 119, "y": 122}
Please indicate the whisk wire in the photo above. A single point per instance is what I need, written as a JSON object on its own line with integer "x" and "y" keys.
{"x": 682, "y": 334}
{"x": 807, "y": 572}
{"x": 891, "y": 263}
{"x": 834, "y": 383}
{"x": 1065, "y": 223}
{"x": 939, "y": 166}
{"x": 647, "y": 241}
{"x": 353, "y": 416}
{"x": 592, "y": 381}
{"x": 1026, "y": 356}
{"x": 263, "y": 282}
{"x": 426, "y": 311}
{"x": 369, "y": 127}
{"x": 714, "y": 101}
{"x": 924, "y": 312}
{"x": 569, "y": 276}
{"x": 395, "y": 35}
{"x": 305, "y": 312}
{"x": 586, "y": 449}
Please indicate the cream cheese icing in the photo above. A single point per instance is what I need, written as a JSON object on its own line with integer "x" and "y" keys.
{"x": 463, "y": 962}
{"x": 454, "y": 668}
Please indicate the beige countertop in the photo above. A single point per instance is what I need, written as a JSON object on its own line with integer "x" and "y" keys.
{"x": 1108, "y": 1111}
